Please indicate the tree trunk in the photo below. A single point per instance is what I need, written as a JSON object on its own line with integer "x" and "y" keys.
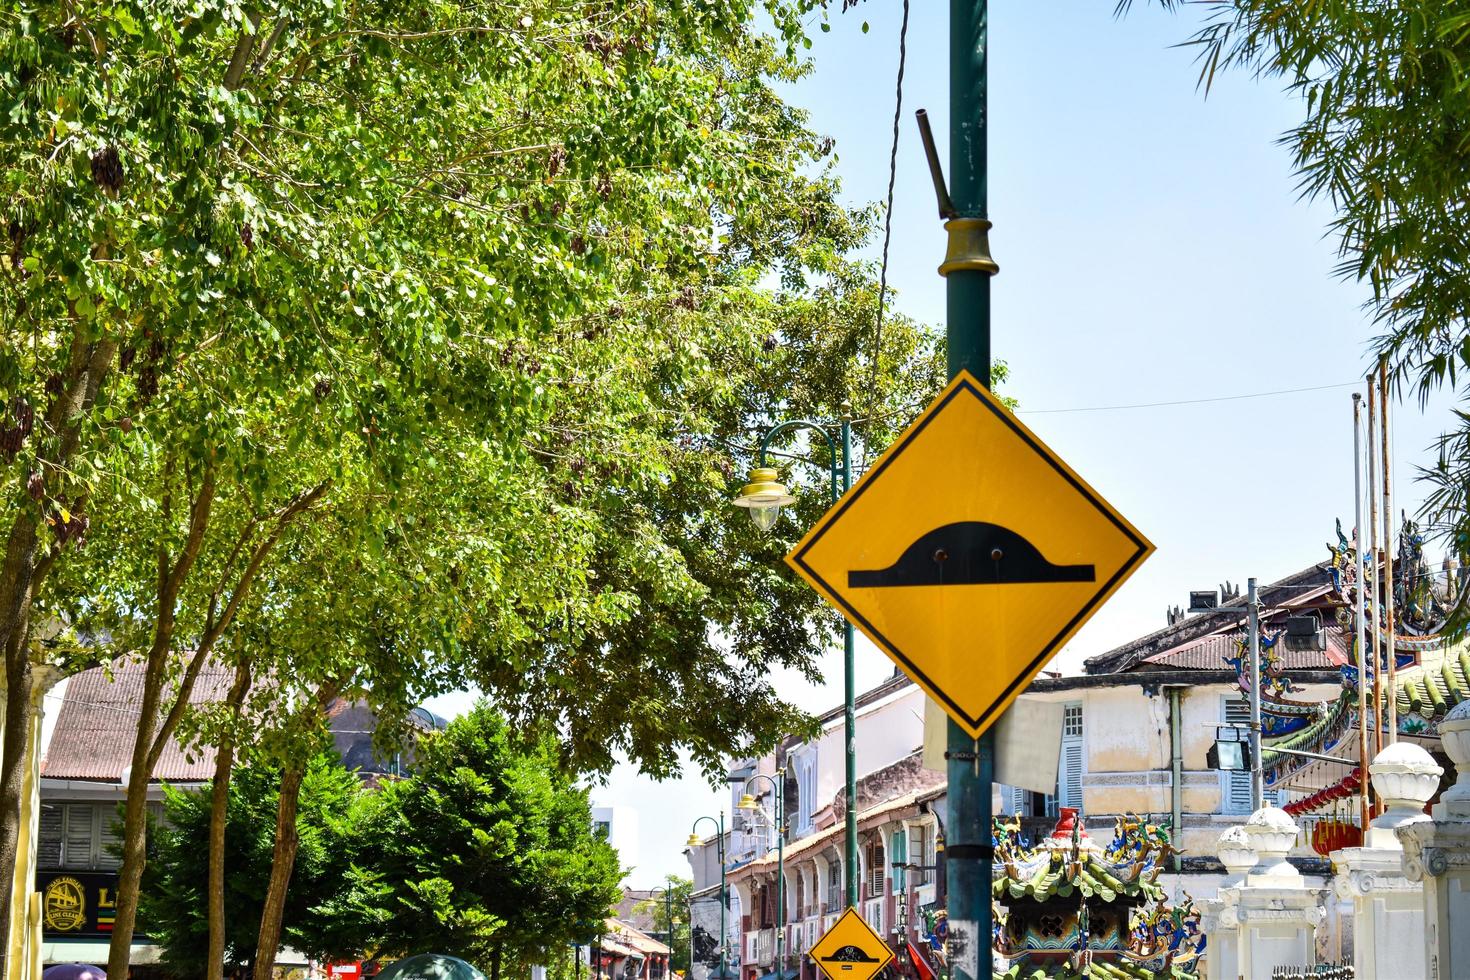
{"x": 282, "y": 861}
{"x": 135, "y": 855}
{"x": 14, "y": 747}
{"x": 25, "y": 567}
{"x": 495, "y": 963}
{"x": 151, "y": 741}
{"x": 283, "y": 858}
{"x": 151, "y": 735}
{"x": 224, "y": 762}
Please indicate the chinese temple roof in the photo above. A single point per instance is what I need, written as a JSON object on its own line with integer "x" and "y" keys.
{"x": 1431, "y": 693}
{"x": 1097, "y": 969}
{"x": 1070, "y": 908}
{"x": 1055, "y": 874}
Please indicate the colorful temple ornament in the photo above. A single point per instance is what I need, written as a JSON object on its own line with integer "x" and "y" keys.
{"x": 1069, "y": 908}
{"x": 1432, "y": 666}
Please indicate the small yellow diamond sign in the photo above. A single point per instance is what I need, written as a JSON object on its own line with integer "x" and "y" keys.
{"x": 850, "y": 950}
{"x": 969, "y": 554}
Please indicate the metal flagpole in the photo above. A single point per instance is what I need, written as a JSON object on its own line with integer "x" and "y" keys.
{"x": 1253, "y": 619}
{"x": 1359, "y": 622}
{"x": 967, "y": 269}
{"x": 1390, "y": 687}
{"x": 1375, "y": 570}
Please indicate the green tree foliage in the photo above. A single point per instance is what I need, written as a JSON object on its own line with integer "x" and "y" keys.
{"x": 487, "y": 851}
{"x": 1385, "y": 139}
{"x": 173, "y": 907}
{"x": 486, "y": 847}
{"x": 455, "y": 314}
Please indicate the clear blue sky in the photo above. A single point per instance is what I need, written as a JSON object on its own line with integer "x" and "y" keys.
{"x": 1152, "y": 248}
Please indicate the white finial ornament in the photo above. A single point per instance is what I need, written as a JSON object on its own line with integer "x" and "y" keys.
{"x": 1236, "y": 853}
{"x": 1272, "y": 834}
{"x": 1454, "y": 735}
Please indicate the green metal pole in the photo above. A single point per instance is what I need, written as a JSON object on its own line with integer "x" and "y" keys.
{"x": 841, "y": 483}
{"x": 849, "y": 709}
{"x": 724, "y": 902}
{"x": 971, "y": 762}
{"x": 780, "y": 874}
{"x": 669, "y": 921}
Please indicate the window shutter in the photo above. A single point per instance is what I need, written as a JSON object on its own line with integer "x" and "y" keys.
{"x": 109, "y": 823}
{"x": 78, "y": 835}
{"x": 876, "y": 874}
{"x": 1071, "y": 794}
{"x": 1069, "y": 783}
{"x": 1235, "y": 796}
{"x": 48, "y": 846}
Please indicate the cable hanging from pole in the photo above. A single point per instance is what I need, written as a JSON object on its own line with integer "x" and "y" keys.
{"x": 903, "y": 33}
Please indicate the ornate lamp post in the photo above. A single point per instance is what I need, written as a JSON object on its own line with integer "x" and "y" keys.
{"x": 764, "y": 497}
{"x": 694, "y": 841}
{"x": 748, "y": 802}
{"x": 669, "y": 921}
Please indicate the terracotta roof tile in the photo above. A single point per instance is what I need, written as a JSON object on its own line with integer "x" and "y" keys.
{"x": 1209, "y": 653}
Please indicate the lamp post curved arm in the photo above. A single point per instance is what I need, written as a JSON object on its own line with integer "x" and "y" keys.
{"x": 748, "y": 802}
{"x": 838, "y": 462}
{"x": 694, "y": 841}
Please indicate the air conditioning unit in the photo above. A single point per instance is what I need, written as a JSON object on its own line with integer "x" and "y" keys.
{"x": 1204, "y": 601}
{"x": 1305, "y": 633}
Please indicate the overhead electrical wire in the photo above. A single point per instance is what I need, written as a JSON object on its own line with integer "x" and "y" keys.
{"x": 1184, "y": 401}
{"x": 903, "y": 33}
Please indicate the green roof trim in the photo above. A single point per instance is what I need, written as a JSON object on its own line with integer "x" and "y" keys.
{"x": 1310, "y": 735}
{"x": 1092, "y": 879}
{"x": 1431, "y": 693}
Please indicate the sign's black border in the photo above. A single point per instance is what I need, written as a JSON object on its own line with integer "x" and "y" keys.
{"x": 984, "y": 719}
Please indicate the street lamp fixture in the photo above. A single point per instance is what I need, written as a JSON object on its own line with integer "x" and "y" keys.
{"x": 764, "y": 497}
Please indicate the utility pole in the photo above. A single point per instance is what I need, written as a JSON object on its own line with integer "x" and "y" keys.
{"x": 967, "y": 270}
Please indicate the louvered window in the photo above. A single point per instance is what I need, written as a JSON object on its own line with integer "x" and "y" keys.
{"x": 876, "y": 875}
{"x": 1235, "y": 787}
{"x": 79, "y": 836}
{"x": 48, "y": 846}
{"x": 1069, "y": 784}
{"x": 78, "y": 845}
{"x": 834, "y": 886}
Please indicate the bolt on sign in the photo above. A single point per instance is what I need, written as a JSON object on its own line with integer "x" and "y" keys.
{"x": 969, "y": 553}
{"x": 850, "y": 950}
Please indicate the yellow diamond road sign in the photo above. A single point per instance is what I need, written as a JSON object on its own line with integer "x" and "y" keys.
{"x": 850, "y": 950}
{"x": 969, "y": 553}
